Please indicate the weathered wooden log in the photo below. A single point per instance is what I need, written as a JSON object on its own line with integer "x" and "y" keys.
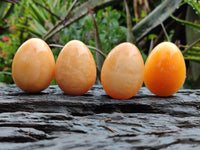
{"x": 54, "y": 120}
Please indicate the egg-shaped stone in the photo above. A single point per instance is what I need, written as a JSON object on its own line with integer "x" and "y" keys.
{"x": 165, "y": 69}
{"x": 122, "y": 73}
{"x": 75, "y": 68}
{"x": 33, "y": 66}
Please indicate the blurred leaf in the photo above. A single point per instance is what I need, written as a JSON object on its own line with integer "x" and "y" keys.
{"x": 159, "y": 14}
{"x": 193, "y": 48}
{"x": 3, "y": 5}
{"x": 8, "y": 11}
{"x": 192, "y": 40}
{"x": 152, "y": 36}
{"x": 75, "y": 14}
{"x": 38, "y": 27}
{"x": 191, "y": 53}
{"x": 190, "y": 46}
{"x": 55, "y": 29}
{"x": 192, "y": 58}
{"x": 37, "y": 14}
{"x": 191, "y": 24}
{"x": 129, "y": 36}
{"x": 11, "y": 1}
{"x": 32, "y": 30}
{"x": 195, "y": 5}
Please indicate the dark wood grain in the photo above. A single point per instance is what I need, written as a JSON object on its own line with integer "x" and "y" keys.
{"x": 54, "y": 120}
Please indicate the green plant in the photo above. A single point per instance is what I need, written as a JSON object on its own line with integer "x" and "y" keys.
{"x": 9, "y": 40}
{"x": 43, "y": 15}
{"x": 5, "y": 10}
{"x": 191, "y": 52}
{"x": 9, "y": 43}
{"x": 58, "y": 21}
{"x": 108, "y": 34}
{"x": 110, "y": 30}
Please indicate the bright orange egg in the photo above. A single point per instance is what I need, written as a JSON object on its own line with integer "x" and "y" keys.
{"x": 33, "y": 66}
{"x": 122, "y": 73}
{"x": 165, "y": 70}
{"x": 75, "y": 68}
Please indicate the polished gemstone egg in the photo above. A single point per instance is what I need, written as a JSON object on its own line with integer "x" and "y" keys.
{"x": 165, "y": 69}
{"x": 75, "y": 68}
{"x": 33, "y": 66}
{"x": 122, "y": 73}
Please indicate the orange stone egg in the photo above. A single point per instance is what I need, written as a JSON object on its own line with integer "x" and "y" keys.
{"x": 75, "y": 68}
{"x": 165, "y": 70}
{"x": 33, "y": 66}
{"x": 122, "y": 73}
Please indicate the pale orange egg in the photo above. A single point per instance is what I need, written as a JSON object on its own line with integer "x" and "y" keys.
{"x": 75, "y": 68}
{"x": 165, "y": 70}
{"x": 33, "y": 66}
{"x": 122, "y": 73}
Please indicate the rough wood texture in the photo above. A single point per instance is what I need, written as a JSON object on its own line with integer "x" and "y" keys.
{"x": 54, "y": 120}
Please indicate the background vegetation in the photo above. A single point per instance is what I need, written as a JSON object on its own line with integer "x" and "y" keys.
{"x": 101, "y": 25}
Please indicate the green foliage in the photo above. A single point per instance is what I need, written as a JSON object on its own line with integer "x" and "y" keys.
{"x": 43, "y": 15}
{"x": 110, "y": 31}
{"x": 5, "y": 10}
{"x": 38, "y": 17}
{"x": 191, "y": 52}
{"x": 8, "y": 46}
{"x": 35, "y": 18}
{"x": 82, "y": 30}
{"x": 10, "y": 39}
{"x": 195, "y": 4}
{"x": 155, "y": 18}
{"x": 185, "y": 22}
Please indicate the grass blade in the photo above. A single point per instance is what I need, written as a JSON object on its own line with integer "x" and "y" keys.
{"x": 159, "y": 14}
{"x": 129, "y": 37}
{"x": 190, "y": 46}
{"x": 192, "y": 58}
{"x": 191, "y": 24}
{"x": 38, "y": 15}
